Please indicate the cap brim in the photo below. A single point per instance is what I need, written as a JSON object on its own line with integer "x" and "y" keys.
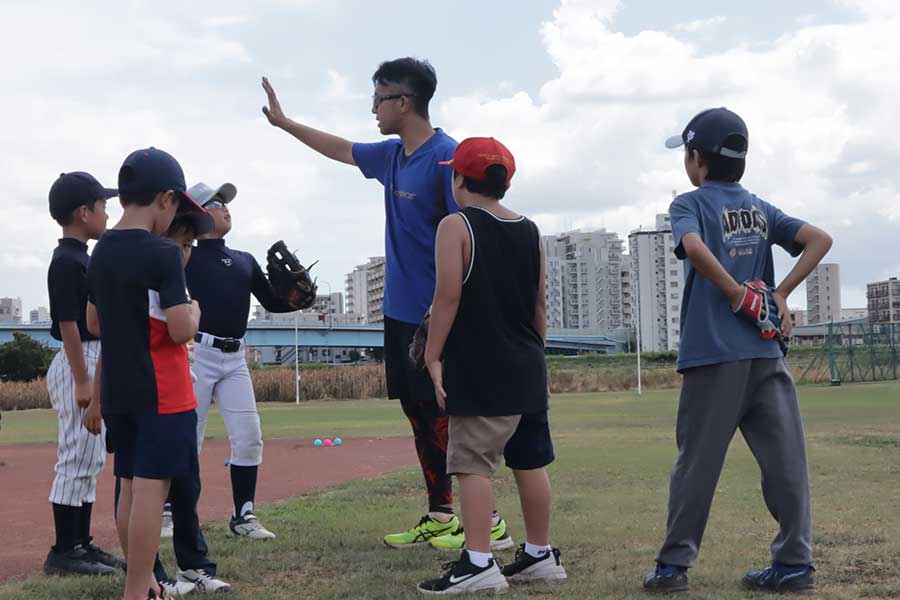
{"x": 227, "y": 192}
{"x": 108, "y": 193}
{"x": 674, "y": 142}
{"x": 188, "y": 204}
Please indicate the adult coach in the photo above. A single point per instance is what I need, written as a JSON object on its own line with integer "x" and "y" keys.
{"x": 417, "y": 194}
{"x": 221, "y": 280}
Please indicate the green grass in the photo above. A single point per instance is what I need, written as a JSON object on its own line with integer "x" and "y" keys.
{"x": 610, "y": 481}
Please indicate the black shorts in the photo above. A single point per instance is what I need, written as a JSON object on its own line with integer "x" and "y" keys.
{"x": 404, "y": 381}
{"x": 530, "y": 447}
{"x": 154, "y": 446}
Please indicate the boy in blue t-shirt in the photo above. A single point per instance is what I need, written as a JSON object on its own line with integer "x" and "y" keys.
{"x": 732, "y": 356}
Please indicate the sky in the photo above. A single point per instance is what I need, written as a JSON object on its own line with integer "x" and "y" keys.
{"x": 584, "y": 92}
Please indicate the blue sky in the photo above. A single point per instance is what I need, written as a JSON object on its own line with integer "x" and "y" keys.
{"x": 583, "y": 91}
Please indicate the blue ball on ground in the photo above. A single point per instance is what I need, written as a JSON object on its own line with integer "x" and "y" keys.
{"x": 317, "y": 443}
{"x": 338, "y": 441}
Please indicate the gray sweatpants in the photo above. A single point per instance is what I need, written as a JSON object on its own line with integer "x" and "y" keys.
{"x": 759, "y": 397}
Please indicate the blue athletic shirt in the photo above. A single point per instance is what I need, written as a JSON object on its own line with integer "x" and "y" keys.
{"x": 740, "y": 230}
{"x": 412, "y": 186}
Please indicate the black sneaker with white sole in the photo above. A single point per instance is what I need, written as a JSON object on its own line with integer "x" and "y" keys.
{"x": 462, "y": 577}
{"x": 527, "y": 568}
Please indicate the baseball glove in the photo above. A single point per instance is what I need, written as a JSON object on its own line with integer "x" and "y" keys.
{"x": 289, "y": 279}
{"x": 417, "y": 346}
{"x": 759, "y": 308}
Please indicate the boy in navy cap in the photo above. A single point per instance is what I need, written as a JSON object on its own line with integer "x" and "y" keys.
{"x": 138, "y": 300}
{"x": 78, "y": 204}
{"x": 732, "y": 356}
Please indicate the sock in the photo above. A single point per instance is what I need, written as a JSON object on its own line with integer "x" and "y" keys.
{"x": 441, "y": 513}
{"x": 84, "y": 523}
{"x": 243, "y": 488}
{"x": 65, "y": 518}
{"x": 535, "y": 550}
{"x": 480, "y": 559}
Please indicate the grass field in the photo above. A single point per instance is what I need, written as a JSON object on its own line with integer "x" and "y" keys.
{"x": 614, "y": 454}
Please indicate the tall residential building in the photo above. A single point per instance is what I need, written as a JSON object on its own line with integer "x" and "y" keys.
{"x": 39, "y": 315}
{"x": 365, "y": 290}
{"x": 657, "y": 284}
{"x": 823, "y": 294}
{"x": 884, "y": 301}
{"x": 583, "y": 280}
{"x": 10, "y": 310}
{"x": 375, "y": 289}
{"x": 627, "y": 293}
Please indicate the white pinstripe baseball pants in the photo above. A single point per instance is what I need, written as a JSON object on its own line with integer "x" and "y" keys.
{"x": 80, "y": 456}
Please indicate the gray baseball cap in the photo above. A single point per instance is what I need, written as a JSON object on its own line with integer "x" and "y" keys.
{"x": 203, "y": 193}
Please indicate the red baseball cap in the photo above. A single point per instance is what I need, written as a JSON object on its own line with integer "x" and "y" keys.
{"x": 474, "y": 155}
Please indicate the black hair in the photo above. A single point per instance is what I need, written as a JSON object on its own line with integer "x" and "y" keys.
{"x": 68, "y": 218}
{"x": 140, "y": 198}
{"x": 416, "y": 75}
{"x": 723, "y": 168}
{"x": 493, "y": 185}
{"x": 181, "y": 224}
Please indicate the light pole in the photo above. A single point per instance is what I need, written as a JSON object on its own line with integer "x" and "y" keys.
{"x": 296, "y": 358}
{"x": 330, "y": 321}
{"x": 637, "y": 306}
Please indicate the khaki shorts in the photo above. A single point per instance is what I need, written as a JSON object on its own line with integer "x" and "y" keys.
{"x": 476, "y": 443}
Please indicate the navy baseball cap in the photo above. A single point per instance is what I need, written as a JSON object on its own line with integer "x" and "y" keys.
{"x": 201, "y": 222}
{"x": 714, "y": 131}
{"x": 75, "y": 189}
{"x": 151, "y": 170}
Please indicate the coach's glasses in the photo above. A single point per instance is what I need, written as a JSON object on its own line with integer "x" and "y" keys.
{"x": 214, "y": 204}
{"x": 378, "y": 99}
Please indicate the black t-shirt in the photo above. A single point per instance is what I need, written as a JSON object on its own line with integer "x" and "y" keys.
{"x": 134, "y": 276}
{"x": 67, "y": 286}
{"x": 494, "y": 356}
{"x": 221, "y": 280}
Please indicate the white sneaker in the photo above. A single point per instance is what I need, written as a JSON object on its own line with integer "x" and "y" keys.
{"x": 203, "y": 582}
{"x": 168, "y": 529}
{"x": 177, "y": 589}
{"x": 462, "y": 577}
{"x": 248, "y": 526}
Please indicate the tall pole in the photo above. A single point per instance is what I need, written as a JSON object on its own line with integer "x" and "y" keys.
{"x": 637, "y": 328}
{"x": 296, "y": 358}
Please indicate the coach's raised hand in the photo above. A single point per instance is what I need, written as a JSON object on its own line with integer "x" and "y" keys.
{"x": 332, "y": 146}
{"x": 273, "y": 112}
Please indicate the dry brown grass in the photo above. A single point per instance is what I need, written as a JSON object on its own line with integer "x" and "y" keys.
{"x": 344, "y": 383}
{"x": 20, "y": 395}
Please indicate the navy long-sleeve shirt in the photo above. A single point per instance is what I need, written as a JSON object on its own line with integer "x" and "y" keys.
{"x": 221, "y": 280}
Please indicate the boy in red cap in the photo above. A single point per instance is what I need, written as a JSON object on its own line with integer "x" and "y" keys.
{"x": 485, "y": 355}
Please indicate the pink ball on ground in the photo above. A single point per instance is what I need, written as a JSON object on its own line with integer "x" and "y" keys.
{"x": 327, "y": 442}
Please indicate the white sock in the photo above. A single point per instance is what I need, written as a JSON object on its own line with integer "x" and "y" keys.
{"x": 480, "y": 559}
{"x": 536, "y": 551}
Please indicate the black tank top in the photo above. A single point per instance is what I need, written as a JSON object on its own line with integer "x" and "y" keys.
{"x": 494, "y": 357}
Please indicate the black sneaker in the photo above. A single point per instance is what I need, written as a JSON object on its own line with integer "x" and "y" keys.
{"x": 462, "y": 577}
{"x": 526, "y": 568}
{"x": 782, "y": 578}
{"x": 74, "y": 562}
{"x": 666, "y": 579}
{"x": 96, "y": 554}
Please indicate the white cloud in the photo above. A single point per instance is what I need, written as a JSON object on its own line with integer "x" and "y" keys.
{"x": 701, "y": 24}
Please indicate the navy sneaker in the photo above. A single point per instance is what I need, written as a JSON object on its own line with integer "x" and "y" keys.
{"x": 666, "y": 579}
{"x": 799, "y": 579}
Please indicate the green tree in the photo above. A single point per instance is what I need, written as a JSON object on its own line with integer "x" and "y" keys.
{"x": 24, "y": 358}
{"x": 355, "y": 356}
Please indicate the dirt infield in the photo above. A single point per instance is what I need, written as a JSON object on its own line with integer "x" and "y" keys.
{"x": 291, "y": 467}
